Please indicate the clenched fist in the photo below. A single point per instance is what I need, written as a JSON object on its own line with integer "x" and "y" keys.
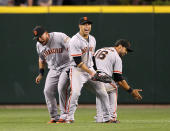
{"x": 38, "y": 79}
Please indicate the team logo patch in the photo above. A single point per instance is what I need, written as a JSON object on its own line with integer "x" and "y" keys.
{"x": 35, "y": 32}
{"x": 85, "y": 18}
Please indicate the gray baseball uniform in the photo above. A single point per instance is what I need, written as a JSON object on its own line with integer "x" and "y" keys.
{"x": 81, "y": 47}
{"x": 108, "y": 61}
{"x": 55, "y": 54}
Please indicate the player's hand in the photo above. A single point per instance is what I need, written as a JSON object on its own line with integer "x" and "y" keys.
{"x": 92, "y": 74}
{"x": 38, "y": 79}
{"x": 135, "y": 93}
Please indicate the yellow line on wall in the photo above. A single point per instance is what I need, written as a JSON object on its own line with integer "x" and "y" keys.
{"x": 23, "y": 10}
{"x": 75, "y": 9}
{"x": 127, "y": 9}
{"x": 162, "y": 9}
{"x": 84, "y": 9}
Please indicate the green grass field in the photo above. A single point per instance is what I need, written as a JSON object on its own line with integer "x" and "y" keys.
{"x": 132, "y": 119}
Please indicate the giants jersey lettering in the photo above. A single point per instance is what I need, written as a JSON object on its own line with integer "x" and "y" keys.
{"x": 55, "y": 52}
{"x": 81, "y": 47}
{"x": 108, "y": 60}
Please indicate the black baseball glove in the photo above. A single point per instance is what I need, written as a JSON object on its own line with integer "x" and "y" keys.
{"x": 102, "y": 77}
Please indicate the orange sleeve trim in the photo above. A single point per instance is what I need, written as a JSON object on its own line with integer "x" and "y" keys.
{"x": 76, "y": 54}
{"x": 117, "y": 72}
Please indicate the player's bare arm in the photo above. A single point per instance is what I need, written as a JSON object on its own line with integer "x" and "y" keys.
{"x": 123, "y": 47}
{"x": 41, "y": 69}
{"x": 81, "y": 65}
{"x": 85, "y": 68}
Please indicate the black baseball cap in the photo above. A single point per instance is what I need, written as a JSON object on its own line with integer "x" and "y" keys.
{"x": 38, "y": 31}
{"x": 84, "y": 20}
{"x": 124, "y": 43}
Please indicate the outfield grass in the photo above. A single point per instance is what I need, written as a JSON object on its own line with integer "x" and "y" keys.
{"x": 132, "y": 119}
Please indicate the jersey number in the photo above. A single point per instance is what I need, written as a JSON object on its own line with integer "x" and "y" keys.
{"x": 101, "y": 54}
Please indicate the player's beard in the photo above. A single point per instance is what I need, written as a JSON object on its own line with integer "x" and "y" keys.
{"x": 121, "y": 54}
{"x": 45, "y": 41}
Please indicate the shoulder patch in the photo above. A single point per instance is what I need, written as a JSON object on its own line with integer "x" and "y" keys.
{"x": 66, "y": 39}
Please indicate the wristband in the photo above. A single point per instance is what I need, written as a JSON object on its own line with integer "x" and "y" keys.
{"x": 41, "y": 71}
{"x": 130, "y": 90}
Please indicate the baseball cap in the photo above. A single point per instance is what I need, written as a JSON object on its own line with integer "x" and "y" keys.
{"x": 124, "y": 43}
{"x": 38, "y": 31}
{"x": 84, "y": 20}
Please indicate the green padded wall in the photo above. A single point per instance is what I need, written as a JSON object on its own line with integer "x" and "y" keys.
{"x": 146, "y": 68}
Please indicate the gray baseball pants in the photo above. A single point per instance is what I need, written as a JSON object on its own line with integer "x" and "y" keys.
{"x": 77, "y": 79}
{"x": 56, "y": 80}
{"x": 112, "y": 94}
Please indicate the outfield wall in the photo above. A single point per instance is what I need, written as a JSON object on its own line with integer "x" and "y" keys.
{"x": 147, "y": 27}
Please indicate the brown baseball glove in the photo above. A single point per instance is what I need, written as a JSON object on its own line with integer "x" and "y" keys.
{"x": 102, "y": 77}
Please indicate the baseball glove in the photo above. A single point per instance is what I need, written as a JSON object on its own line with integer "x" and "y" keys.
{"x": 102, "y": 77}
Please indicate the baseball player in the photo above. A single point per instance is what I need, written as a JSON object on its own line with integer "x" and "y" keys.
{"x": 52, "y": 49}
{"x": 82, "y": 48}
{"x": 108, "y": 60}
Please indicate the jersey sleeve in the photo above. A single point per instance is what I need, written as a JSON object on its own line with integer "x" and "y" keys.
{"x": 39, "y": 53}
{"x": 75, "y": 48}
{"x": 93, "y": 51}
{"x": 65, "y": 40}
{"x": 117, "y": 66}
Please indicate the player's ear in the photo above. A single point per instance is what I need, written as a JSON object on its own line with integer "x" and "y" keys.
{"x": 46, "y": 33}
{"x": 79, "y": 26}
{"x": 120, "y": 46}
